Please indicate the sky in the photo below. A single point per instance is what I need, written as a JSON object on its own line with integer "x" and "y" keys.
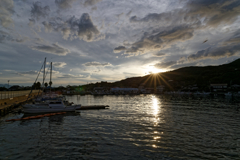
{"x": 89, "y": 41}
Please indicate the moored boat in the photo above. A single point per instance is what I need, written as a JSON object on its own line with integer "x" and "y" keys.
{"x": 52, "y": 106}
{"x": 50, "y": 102}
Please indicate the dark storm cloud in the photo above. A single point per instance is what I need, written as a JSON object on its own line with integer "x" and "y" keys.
{"x": 86, "y": 28}
{"x": 215, "y": 53}
{"x": 159, "y": 18}
{"x": 165, "y": 64}
{"x": 27, "y": 73}
{"x": 97, "y": 71}
{"x": 159, "y": 54}
{"x": 196, "y": 15}
{"x": 68, "y": 76}
{"x": 53, "y": 49}
{"x": 160, "y": 40}
{"x": 4, "y": 36}
{"x": 91, "y": 2}
{"x": 73, "y": 76}
{"x": 64, "y": 4}
{"x": 228, "y": 48}
{"x": 119, "y": 49}
{"x": 210, "y": 12}
{"x": 215, "y": 12}
{"x": 31, "y": 22}
{"x": 38, "y": 11}
{"x": 96, "y": 64}
{"x": 233, "y": 41}
{"x": 6, "y": 11}
{"x": 82, "y": 28}
{"x": 59, "y": 64}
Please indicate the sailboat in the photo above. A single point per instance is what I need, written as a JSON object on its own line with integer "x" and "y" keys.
{"x": 50, "y": 105}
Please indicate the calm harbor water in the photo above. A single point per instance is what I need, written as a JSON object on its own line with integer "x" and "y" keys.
{"x": 134, "y": 127}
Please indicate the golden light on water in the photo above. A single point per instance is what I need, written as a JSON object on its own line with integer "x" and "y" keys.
{"x": 154, "y": 146}
{"x": 155, "y": 106}
{"x": 156, "y": 110}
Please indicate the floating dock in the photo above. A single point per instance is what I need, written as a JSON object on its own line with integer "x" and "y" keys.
{"x": 93, "y": 107}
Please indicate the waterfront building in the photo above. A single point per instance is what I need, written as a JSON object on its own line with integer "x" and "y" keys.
{"x": 124, "y": 90}
{"x": 160, "y": 88}
{"x": 218, "y": 87}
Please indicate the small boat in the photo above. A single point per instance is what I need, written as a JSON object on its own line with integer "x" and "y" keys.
{"x": 51, "y": 106}
{"x": 50, "y": 102}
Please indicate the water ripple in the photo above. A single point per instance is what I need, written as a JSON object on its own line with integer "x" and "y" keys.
{"x": 135, "y": 127}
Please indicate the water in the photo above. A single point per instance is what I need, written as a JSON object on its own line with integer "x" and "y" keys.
{"x": 135, "y": 127}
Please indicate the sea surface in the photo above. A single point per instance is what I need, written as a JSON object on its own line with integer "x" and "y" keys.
{"x": 134, "y": 127}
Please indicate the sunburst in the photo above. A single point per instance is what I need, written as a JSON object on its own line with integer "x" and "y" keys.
{"x": 155, "y": 70}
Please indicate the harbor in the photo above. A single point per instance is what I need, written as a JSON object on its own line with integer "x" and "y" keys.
{"x": 119, "y": 122}
{"x": 119, "y": 80}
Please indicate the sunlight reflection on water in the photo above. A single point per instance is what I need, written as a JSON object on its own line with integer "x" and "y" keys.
{"x": 155, "y": 105}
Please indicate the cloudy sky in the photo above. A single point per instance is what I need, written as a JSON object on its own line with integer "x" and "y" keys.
{"x": 110, "y": 40}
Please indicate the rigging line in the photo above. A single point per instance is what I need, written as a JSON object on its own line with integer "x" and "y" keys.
{"x": 39, "y": 73}
{"x": 35, "y": 81}
{"x": 46, "y": 74}
{"x": 44, "y": 80}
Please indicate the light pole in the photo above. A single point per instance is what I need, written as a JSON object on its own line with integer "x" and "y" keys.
{"x": 8, "y": 88}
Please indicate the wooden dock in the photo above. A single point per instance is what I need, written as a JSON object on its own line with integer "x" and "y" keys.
{"x": 7, "y": 105}
{"x": 94, "y": 107}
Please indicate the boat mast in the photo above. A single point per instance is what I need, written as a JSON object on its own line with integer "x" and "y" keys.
{"x": 35, "y": 82}
{"x": 44, "y": 72}
{"x": 51, "y": 79}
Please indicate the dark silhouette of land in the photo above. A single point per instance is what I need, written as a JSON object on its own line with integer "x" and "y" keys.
{"x": 177, "y": 79}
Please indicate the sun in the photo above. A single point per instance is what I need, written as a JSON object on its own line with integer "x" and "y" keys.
{"x": 154, "y": 70}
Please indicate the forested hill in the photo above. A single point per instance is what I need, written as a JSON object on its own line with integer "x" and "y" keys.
{"x": 200, "y": 76}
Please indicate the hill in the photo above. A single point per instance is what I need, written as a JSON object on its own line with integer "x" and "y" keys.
{"x": 182, "y": 77}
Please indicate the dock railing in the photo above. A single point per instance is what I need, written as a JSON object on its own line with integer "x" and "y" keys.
{"x": 12, "y": 94}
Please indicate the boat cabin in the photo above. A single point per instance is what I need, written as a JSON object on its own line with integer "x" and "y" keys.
{"x": 56, "y": 104}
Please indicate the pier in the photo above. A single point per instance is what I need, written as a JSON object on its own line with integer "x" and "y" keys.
{"x": 8, "y": 104}
{"x": 93, "y": 107}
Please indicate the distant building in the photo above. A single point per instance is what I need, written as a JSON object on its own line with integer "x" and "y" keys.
{"x": 160, "y": 88}
{"x": 235, "y": 88}
{"x": 150, "y": 90}
{"x": 134, "y": 90}
{"x": 218, "y": 87}
{"x": 100, "y": 89}
{"x": 142, "y": 86}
